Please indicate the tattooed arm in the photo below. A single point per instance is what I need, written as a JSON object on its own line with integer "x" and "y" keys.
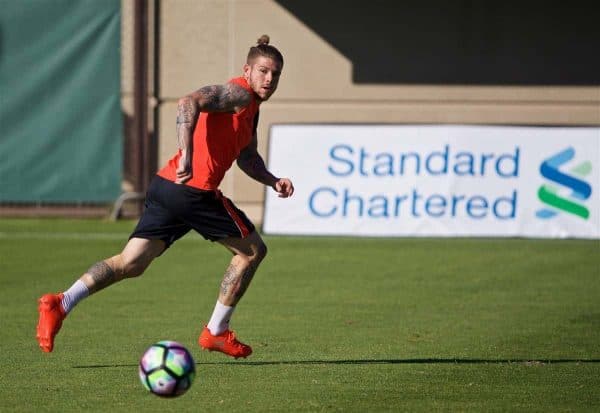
{"x": 253, "y": 165}
{"x": 217, "y": 98}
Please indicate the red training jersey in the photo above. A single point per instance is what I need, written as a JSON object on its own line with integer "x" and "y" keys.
{"x": 218, "y": 139}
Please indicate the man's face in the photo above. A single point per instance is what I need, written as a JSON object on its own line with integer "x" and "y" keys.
{"x": 262, "y": 75}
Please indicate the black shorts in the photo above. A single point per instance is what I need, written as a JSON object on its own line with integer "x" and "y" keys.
{"x": 172, "y": 210}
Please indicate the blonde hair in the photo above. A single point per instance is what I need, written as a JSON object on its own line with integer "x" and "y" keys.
{"x": 264, "y": 49}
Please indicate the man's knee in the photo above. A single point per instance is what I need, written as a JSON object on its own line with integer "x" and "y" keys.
{"x": 261, "y": 251}
{"x": 125, "y": 267}
{"x": 137, "y": 256}
{"x": 252, "y": 259}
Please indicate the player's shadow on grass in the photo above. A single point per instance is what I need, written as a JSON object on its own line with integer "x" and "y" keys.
{"x": 410, "y": 361}
{"x": 370, "y": 361}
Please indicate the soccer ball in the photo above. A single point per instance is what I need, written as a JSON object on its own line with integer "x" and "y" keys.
{"x": 167, "y": 369}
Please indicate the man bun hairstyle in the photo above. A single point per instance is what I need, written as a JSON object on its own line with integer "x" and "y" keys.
{"x": 264, "y": 49}
{"x": 264, "y": 39}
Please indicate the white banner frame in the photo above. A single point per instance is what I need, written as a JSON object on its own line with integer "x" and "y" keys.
{"x": 435, "y": 181}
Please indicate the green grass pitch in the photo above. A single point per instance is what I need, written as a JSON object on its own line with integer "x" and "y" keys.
{"x": 337, "y": 324}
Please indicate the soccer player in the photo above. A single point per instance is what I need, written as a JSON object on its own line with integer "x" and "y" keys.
{"x": 216, "y": 125}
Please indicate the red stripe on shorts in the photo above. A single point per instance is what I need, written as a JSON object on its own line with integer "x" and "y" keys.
{"x": 234, "y": 215}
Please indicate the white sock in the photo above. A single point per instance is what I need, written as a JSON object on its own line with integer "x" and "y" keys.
{"x": 73, "y": 295}
{"x": 219, "y": 321}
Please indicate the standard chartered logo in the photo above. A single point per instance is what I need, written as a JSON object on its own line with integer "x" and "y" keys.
{"x": 578, "y": 190}
{"x": 426, "y": 195}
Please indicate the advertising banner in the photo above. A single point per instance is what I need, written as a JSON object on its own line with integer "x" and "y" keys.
{"x": 436, "y": 180}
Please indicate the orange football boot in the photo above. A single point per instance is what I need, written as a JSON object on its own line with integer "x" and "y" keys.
{"x": 51, "y": 318}
{"x": 225, "y": 343}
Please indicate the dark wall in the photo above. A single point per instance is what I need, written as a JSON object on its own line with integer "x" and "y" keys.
{"x": 461, "y": 42}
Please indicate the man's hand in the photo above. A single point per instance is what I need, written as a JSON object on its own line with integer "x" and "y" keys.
{"x": 284, "y": 188}
{"x": 184, "y": 169}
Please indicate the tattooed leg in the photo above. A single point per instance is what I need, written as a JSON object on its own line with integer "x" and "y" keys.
{"x": 99, "y": 276}
{"x": 131, "y": 262}
{"x": 248, "y": 253}
{"x": 236, "y": 280}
